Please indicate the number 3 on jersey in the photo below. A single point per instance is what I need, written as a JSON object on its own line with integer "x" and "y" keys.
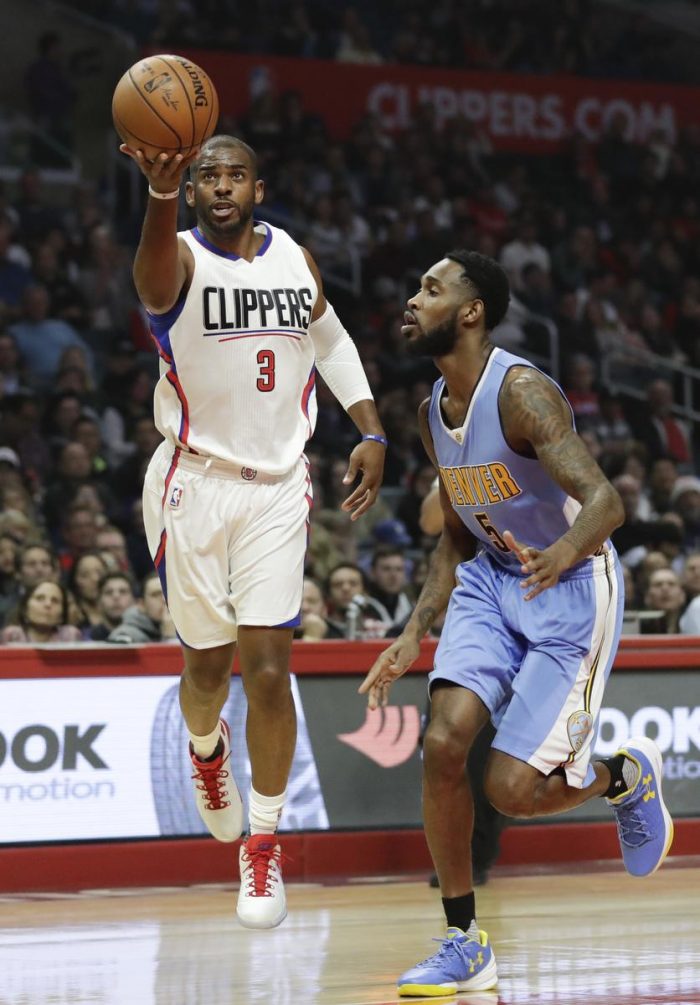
{"x": 266, "y": 362}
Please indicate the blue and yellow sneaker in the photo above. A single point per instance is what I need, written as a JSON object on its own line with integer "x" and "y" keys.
{"x": 644, "y": 825}
{"x": 464, "y": 962}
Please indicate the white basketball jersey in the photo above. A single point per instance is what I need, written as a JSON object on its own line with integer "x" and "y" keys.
{"x": 237, "y": 360}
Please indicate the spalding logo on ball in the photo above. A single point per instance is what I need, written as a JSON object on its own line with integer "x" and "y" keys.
{"x": 165, "y": 104}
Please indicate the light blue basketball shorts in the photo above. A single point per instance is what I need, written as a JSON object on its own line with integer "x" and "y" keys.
{"x": 539, "y": 666}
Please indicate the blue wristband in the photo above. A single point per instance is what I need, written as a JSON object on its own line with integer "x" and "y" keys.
{"x": 375, "y": 436}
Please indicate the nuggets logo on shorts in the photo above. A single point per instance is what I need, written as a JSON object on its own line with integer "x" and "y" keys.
{"x": 249, "y": 474}
{"x": 175, "y": 496}
{"x": 578, "y": 727}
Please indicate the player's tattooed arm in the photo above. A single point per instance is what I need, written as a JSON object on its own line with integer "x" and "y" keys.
{"x": 537, "y": 420}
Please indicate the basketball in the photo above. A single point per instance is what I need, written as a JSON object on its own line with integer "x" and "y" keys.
{"x": 165, "y": 104}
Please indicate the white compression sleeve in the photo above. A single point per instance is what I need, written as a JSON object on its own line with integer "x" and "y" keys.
{"x": 338, "y": 361}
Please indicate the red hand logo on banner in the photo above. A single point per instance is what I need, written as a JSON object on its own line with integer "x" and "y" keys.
{"x": 388, "y": 736}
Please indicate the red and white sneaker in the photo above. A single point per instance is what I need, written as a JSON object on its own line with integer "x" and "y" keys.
{"x": 216, "y": 794}
{"x": 262, "y": 902}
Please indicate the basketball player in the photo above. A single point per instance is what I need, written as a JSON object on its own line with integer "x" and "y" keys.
{"x": 534, "y": 602}
{"x": 240, "y": 321}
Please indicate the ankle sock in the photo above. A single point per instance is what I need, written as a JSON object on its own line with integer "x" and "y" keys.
{"x": 623, "y": 775}
{"x": 460, "y": 911}
{"x": 205, "y": 747}
{"x": 264, "y": 812}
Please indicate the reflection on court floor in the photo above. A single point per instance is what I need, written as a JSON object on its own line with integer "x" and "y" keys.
{"x": 599, "y": 939}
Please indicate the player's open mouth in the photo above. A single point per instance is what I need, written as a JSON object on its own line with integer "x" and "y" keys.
{"x": 410, "y": 324}
{"x": 221, "y": 210}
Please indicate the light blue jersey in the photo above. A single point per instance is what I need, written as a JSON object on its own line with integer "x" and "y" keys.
{"x": 491, "y": 487}
{"x": 539, "y": 666}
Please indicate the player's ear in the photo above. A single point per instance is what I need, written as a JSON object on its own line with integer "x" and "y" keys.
{"x": 472, "y": 311}
{"x": 259, "y": 191}
{"x": 189, "y": 194}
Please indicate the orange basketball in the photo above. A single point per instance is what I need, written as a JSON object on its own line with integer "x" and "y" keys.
{"x": 164, "y": 103}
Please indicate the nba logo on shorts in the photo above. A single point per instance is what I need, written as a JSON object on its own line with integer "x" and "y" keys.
{"x": 175, "y": 496}
{"x": 248, "y": 474}
{"x": 578, "y": 727}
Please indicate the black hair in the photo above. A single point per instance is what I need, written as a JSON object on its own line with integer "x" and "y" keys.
{"x": 344, "y": 565}
{"x": 488, "y": 281}
{"x": 223, "y": 140}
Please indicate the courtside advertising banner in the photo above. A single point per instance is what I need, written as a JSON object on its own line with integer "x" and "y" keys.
{"x": 537, "y": 114}
{"x": 106, "y": 757}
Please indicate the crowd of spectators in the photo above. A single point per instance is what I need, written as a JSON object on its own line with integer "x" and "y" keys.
{"x": 585, "y": 37}
{"x": 601, "y": 246}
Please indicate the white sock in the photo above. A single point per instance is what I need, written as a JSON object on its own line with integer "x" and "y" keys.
{"x": 264, "y": 812}
{"x": 630, "y": 773}
{"x": 204, "y": 746}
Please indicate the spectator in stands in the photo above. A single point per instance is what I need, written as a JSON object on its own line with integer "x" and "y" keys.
{"x": 579, "y": 388}
{"x": 314, "y": 615}
{"x": 524, "y": 249}
{"x": 86, "y": 431}
{"x": 389, "y": 581}
{"x": 631, "y": 538}
{"x": 9, "y": 585}
{"x": 148, "y": 619}
{"x": 41, "y": 616}
{"x": 111, "y": 544}
{"x": 410, "y": 505}
{"x": 78, "y": 534}
{"x": 37, "y": 562}
{"x": 662, "y": 478}
{"x": 351, "y": 610}
{"x": 663, "y": 593}
{"x": 128, "y": 478}
{"x": 12, "y": 376}
{"x": 690, "y": 576}
{"x": 14, "y": 277}
{"x": 664, "y": 434}
{"x": 40, "y": 338}
{"x": 66, "y": 301}
{"x": 116, "y": 594}
{"x": 685, "y": 499}
{"x": 611, "y": 427}
{"x": 83, "y": 582}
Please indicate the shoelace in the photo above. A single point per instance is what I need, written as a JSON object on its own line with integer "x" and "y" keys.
{"x": 634, "y": 830}
{"x": 451, "y": 945}
{"x": 261, "y": 878}
{"x": 213, "y": 778}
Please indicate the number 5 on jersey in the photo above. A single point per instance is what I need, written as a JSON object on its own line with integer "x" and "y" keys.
{"x": 266, "y": 362}
{"x": 496, "y": 538}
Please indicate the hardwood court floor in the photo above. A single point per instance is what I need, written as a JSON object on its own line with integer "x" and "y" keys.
{"x": 598, "y": 938}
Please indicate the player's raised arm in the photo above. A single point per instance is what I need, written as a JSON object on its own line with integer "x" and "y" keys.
{"x": 339, "y": 364}
{"x": 163, "y": 263}
{"x": 456, "y": 544}
{"x": 536, "y": 418}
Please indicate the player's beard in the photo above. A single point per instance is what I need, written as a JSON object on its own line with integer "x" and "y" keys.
{"x": 438, "y": 342}
{"x": 227, "y": 228}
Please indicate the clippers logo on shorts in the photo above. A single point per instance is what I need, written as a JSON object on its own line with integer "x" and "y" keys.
{"x": 249, "y": 474}
{"x": 175, "y": 496}
{"x": 578, "y": 727}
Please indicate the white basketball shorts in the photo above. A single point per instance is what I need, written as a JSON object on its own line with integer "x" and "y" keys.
{"x": 228, "y": 543}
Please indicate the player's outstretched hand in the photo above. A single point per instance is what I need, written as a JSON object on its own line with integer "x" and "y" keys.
{"x": 388, "y": 667}
{"x": 164, "y": 173}
{"x": 367, "y": 457}
{"x": 542, "y": 568}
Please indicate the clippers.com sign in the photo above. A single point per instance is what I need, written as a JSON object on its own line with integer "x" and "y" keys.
{"x": 517, "y": 111}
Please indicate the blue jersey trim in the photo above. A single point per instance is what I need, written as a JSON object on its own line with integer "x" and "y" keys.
{"x": 201, "y": 239}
